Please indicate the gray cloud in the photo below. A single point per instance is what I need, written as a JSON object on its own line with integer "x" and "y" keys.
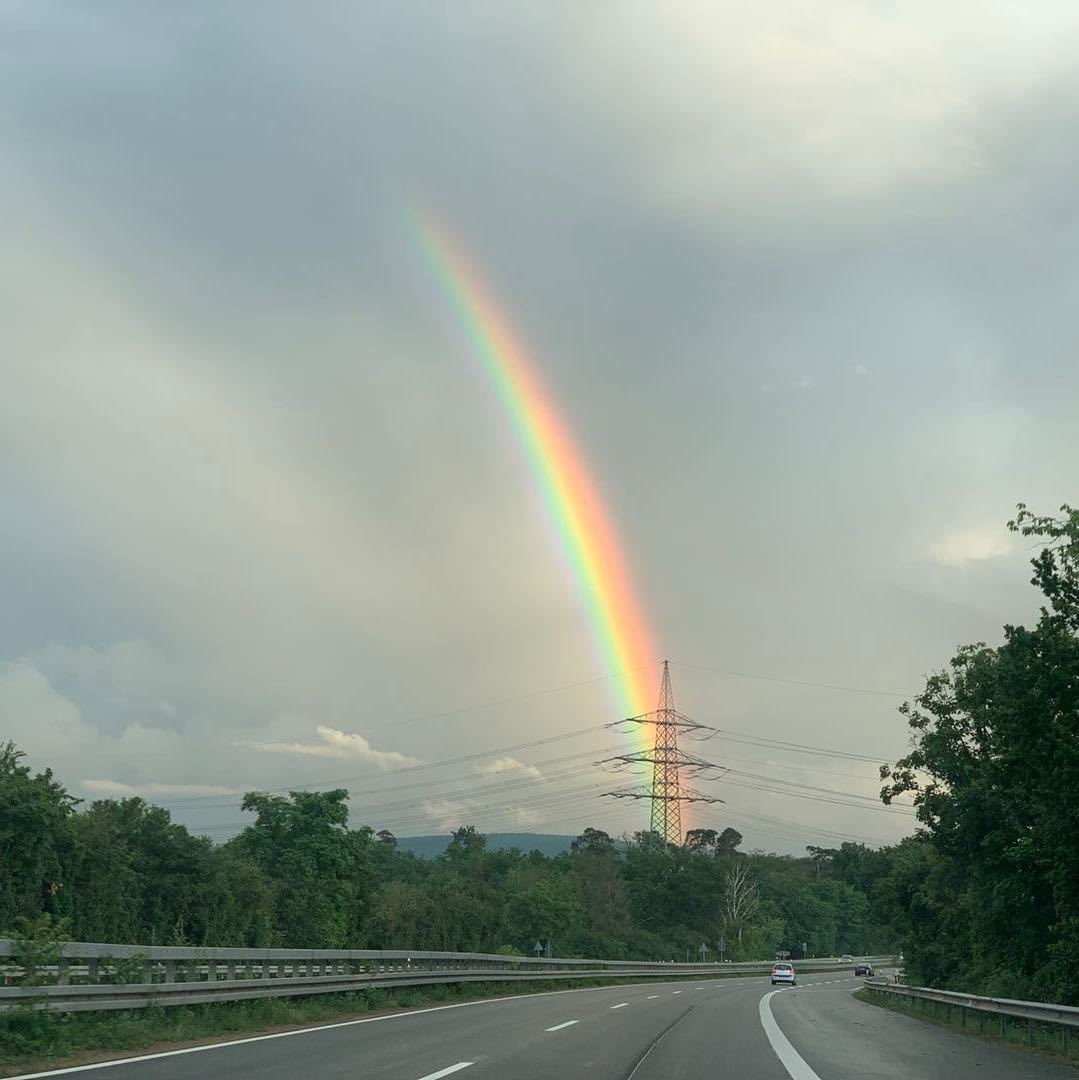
{"x": 800, "y": 280}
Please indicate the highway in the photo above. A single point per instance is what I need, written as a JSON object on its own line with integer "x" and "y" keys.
{"x": 737, "y": 1028}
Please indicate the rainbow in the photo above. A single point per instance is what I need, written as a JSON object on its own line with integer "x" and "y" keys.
{"x": 581, "y": 522}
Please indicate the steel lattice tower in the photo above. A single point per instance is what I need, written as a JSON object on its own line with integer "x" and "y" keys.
{"x": 666, "y": 783}
{"x": 668, "y": 762}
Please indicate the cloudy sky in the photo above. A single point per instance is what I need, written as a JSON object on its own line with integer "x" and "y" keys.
{"x": 801, "y": 277}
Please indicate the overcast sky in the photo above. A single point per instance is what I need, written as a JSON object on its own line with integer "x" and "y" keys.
{"x": 801, "y": 276}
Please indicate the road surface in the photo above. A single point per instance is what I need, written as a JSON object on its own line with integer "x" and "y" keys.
{"x": 731, "y": 1028}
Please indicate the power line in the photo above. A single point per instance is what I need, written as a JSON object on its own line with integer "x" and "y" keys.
{"x": 801, "y": 748}
{"x": 397, "y": 772}
{"x": 786, "y": 784}
{"x": 820, "y": 798}
{"x": 792, "y": 682}
{"x": 440, "y": 781}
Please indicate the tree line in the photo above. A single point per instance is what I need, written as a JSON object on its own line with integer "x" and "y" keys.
{"x": 123, "y": 871}
{"x": 983, "y": 898}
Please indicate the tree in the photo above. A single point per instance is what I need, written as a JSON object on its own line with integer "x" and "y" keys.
{"x": 592, "y": 841}
{"x": 601, "y": 887}
{"x": 820, "y": 856}
{"x": 466, "y": 841}
{"x": 384, "y": 836}
{"x": 994, "y": 774}
{"x": 35, "y": 840}
{"x": 727, "y": 842}
{"x": 542, "y": 912}
{"x": 303, "y": 844}
{"x": 701, "y": 839}
{"x": 741, "y": 899}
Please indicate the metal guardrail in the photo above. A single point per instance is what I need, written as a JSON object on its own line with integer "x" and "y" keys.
{"x": 1064, "y": 1017}
{"x": 91, "y": 976}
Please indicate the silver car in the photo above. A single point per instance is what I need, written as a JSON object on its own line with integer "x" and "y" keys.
{"x": 783, "y": 973}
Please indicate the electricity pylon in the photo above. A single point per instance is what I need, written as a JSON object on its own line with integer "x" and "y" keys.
{"x": 669, "y": 764}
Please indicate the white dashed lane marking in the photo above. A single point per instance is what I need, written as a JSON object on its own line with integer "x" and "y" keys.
{"x": 447, "y": 1071}
{"x": 559, "y": 1027}
{"x": 621, "y": 1005}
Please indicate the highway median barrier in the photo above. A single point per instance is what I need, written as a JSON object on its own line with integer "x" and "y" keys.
{"x": 90, "y": 977}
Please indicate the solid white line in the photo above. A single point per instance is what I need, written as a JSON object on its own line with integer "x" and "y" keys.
{"x": 622, "y": 1006}
{"x": 113, "y": 1062}
{"x": 446, "y": 1072}
{"x": 791, "y": 1060}
{"x": 559, "y": 1027}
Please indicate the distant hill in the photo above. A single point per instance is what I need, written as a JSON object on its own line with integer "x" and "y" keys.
{"x": 428, "y": 847}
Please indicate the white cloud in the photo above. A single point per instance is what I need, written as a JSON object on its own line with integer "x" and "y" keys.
{"x": 961, "y": 546}
{"x": 446, "y": 813}
{"x": 116, "y": 789}
{"x": 508, "y": 764}
{"x": 860, "y": 369}
{"x": 37, "y": 718}
{"x": 337, "y": 744}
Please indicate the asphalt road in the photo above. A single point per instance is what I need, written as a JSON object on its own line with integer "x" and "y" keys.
{"x": 737, "y": 1028}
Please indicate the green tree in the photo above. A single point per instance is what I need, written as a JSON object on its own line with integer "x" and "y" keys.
{"x": 994, "y": 772}
{"x": 727, "y": 842}
{"x": 303, "y": 845}
{"x": 701, "y": 839}
{"x": 820, "y": 856}
{"x": 35, "y": 840}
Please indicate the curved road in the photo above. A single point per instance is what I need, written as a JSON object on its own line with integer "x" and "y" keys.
{"x": 736, "y": 1028}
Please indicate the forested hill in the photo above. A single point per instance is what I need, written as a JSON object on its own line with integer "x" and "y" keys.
{"x": 428, "y": 847}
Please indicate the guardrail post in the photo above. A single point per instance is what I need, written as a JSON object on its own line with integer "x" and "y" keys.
{"x": 266, "y": 969}
{"x": 230, "y": 969}
{"x": 62, "y": 966}
{"x": 170, "y": 971}
{"x": 93, "y": 969}
{"x": 211, "y": 971}
{"x": 1030, "y": 1033}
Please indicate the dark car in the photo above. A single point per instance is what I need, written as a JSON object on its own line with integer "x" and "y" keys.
{"x": 865, "y": 970}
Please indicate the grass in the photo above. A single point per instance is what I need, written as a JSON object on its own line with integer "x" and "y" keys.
{"x": 35, "y": 1040}
{"x": 1049, "y": 1039}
